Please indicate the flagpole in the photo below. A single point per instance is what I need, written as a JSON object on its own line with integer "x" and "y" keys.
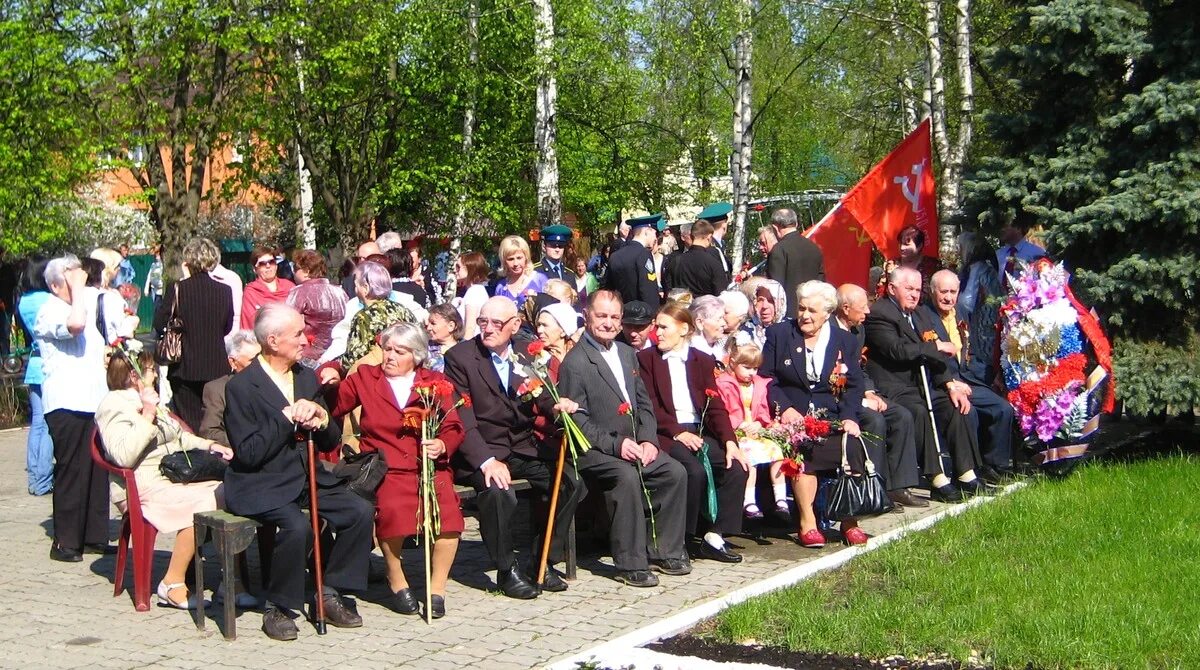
{"x": 824, "y": 219}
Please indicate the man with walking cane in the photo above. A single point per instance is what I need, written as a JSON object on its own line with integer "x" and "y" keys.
{"x": 273, "y": 409}
{"x": 908, "y": 364}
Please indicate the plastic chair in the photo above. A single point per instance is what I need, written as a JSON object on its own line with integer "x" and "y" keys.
{"x": 135, "y": 526}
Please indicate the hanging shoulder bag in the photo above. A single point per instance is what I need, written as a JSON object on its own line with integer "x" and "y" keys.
{"x": 169, "y": 350}
{"x": 857, "y": 495}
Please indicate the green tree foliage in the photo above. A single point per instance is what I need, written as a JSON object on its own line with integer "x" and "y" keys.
{"x": 1106, "y": 157}
{"x": 45, "y": 149}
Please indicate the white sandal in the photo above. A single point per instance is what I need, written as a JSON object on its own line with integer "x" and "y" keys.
{"x": 164, "y": 597}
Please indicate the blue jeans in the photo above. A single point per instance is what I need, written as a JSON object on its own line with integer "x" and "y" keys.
{"x": 39, "y": 450}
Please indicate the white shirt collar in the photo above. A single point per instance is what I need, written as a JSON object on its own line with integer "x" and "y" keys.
{"x": 679, "y": 354}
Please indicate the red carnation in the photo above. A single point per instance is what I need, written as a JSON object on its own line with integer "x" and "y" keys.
{"x": 790, "y": 468}
{"x": 815, "y": 428}
{"x": 711, "y": 393}
{"x": 624, "y": 408}
{"x": 466, "y": 401}
{"x": 536, "y": 348}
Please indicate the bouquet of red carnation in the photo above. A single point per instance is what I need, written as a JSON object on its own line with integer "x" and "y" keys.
{"x": 433, "y": 397}
{"x": 532, "y": 388}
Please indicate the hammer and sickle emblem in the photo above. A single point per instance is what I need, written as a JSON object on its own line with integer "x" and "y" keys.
{"x": 912, "y": 195}
{"x": 860, "y": 236}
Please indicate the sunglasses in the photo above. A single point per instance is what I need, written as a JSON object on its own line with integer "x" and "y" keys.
{"x": 266, "y": 263}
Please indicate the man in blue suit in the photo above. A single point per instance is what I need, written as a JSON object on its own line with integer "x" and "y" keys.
{"x": 991, "y": 416}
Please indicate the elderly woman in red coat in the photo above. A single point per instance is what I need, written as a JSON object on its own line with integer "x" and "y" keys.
{"x": 387, "y": 393}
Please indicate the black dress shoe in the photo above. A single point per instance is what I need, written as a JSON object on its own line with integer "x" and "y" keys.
{"x": 437, "y": 606}
{"x": 337, "y": 614}
{"x": 639, "y": 578}
{"x": 514, "y": 585}
{"x": 906, "y": 498}
{"x": 703, "y": 549}
{"x": 671, "y": 566}
{"x": 402, "y": 602}
{"x": 65, "y": 555}
{"x": 947, "y": 494}
{"x": 553, "y": 582}
{"x": 977, "y": 487}
{"x": 278, "y": 625}
{"x": 104, "y": 549}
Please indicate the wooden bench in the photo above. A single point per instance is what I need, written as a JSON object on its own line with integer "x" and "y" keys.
{"x": 232, "y": 535}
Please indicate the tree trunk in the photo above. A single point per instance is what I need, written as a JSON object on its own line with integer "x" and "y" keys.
{"x": 966, "y": 103}
{"x": 743, "y": 132}
{"x": 468, "y": 139}
{"x": 948, "y": 199}
{"x": 545, "y": 129}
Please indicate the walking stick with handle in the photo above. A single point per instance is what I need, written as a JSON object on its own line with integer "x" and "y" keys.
{"x": 937, "y": 442}
{"x": 318, "y": 573}
{"x": 558, "y": 473}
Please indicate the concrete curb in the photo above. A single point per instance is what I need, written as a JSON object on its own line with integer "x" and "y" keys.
{"x": 617, "y": 651}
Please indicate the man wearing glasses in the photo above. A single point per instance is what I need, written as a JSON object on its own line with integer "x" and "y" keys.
{"x": 500, "y": 445}
{"x": 554, "y": 245}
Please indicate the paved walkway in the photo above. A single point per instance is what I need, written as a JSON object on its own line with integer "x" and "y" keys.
{"x": 63, "y": 615}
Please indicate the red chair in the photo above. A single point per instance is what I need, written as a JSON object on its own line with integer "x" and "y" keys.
{"x": 132, "y": 524}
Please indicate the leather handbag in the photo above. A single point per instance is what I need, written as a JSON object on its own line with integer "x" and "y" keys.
{"x": 169, "y": 349}
{"x": 193, "y": 465}
{"x": 363, "y": 471}
{"x": 857, "y": 495}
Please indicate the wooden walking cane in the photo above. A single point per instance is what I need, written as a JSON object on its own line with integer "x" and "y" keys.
{"x": 427, "y": 527}
{"x": 318, "y": 573}
{"x": 558, "y": 473}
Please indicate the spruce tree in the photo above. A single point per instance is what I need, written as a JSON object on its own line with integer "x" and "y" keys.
{"x": 1106, "y": 159}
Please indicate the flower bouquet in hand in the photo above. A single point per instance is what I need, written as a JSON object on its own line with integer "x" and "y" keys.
{"x": 627, "y": 409}
{"x": 539, "y": 364}
{"x": 800, "y": 436}
{"x": 428, "y": 419}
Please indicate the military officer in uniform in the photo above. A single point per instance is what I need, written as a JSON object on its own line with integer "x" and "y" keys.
{"x": 631, "y": 268}
{"x": 554, "y": 244}
{"x": 718, "y": 215}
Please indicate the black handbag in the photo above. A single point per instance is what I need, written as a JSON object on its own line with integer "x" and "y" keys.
{"x": 857, "y": 495}
{"x": 169, "y": 349}
{"x": 193, "y": 465}
{"x": 363, "y": 471}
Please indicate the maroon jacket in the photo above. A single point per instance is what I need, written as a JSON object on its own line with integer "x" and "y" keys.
{"x": 702, "y": 378}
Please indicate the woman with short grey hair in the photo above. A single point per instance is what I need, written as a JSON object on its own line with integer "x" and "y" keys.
{"x": 709, "y": 314}
{"x": 823, "y": 292}
{"x": 388, "y": 394}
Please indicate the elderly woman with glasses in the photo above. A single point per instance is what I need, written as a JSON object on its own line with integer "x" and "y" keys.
{"x": 388, "y": 395}
{"x": 267, "y": 286}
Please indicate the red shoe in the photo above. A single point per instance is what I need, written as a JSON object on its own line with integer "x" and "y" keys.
{"x": 813, "y": 539}
{"x": 855, "y": 536}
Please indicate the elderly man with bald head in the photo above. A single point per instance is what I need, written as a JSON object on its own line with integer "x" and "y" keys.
{"x": 879, "y": 416}
{"x": 907, "y": 360}
{"x": 500, "y": 445}
{"x": 272, "y": 407}
{"x": 991, "y": 415}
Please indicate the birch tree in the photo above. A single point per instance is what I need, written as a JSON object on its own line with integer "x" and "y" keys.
{"x": 468, "y": 133}
{"x": 545, "y": 129}
{"x": 743, "y": 130}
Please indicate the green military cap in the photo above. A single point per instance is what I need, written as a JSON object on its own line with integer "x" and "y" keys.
{"x": 556, "y": 233}
{"x": 658, "y": 221}
{"x": 715, "y": 212}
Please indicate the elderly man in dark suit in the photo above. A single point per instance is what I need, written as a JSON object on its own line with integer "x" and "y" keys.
{"x": 794, "y": 259}
{"x": 500, "y": 445}
{"x": 617, "y": 417}
{"x": 878, "y": 415}
{"x": 991, "y": 415}
{"x": 271, "y": 407}
{"x": 901, "y": 342}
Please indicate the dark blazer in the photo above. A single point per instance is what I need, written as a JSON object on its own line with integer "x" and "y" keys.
{"x": 631, "y": 273}
{"x": 701, "y": 379}
{"x": 860, "y": 335}
{"x": 498, "y": 424}
{"x": 699, "y": 270}
{"x": 585, "y": 378}
{"x": 967, "y": 370}
{"x": 269, "y": 468}
{"x": 206, "y": 307}
{"x": 895, "y": 351}
{"x": 784, "y": 361}
{"x": 794, "y": 260}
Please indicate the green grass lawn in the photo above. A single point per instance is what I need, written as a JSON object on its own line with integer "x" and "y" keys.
{"x": 1101, "y": 570}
